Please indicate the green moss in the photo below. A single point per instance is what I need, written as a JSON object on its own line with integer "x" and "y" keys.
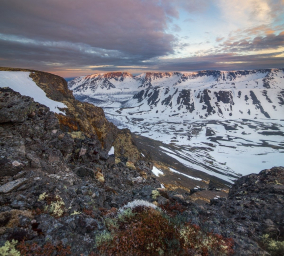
{"x": 155, "y": 194}
{"x": 57, "y": 207}
{"x": 9, "y": 249}
{"x": 111, "y": 224}
{"x": 104, "y": 237}
{"x": 75, "y": 213}
{"x": 126, "y": 214}
{"x": 274, "y": 247}
{"x": 77, "y": 135}
{"x": 42, "y": 196}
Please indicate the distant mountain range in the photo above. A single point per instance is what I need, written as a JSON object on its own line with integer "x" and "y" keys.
{"x": 251, "y": 94}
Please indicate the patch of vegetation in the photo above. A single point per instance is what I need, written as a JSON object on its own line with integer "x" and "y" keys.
{"x": 55, "y": 204}
{"x": 142, "y": 230}
{"x": 155, "y": 194}
{"x": 272, "y": 246}
{"x": 103, "y": 238}
{"x": 9, "y": 249}
{"x": 27, "y": 249}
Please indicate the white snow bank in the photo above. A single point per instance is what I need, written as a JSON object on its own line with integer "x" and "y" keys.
{"x": 188, "y": 176}
{"x": 20, "y": 82}
{"x": 157, "y": 172}
{"x": 111, "y": 151}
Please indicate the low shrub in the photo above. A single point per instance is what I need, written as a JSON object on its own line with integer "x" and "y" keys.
{"x": 274, "y": 247}
{"x": 143, "y": 231}
{"x": 33, "y": 249}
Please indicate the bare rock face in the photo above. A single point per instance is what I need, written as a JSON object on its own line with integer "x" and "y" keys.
{"x": 81, "y": 119}
{"x": 14, "y": 109}
{"x": 85, "y": 117}
{"x": 125, "y": 147}
{"x": 261, "y": 197}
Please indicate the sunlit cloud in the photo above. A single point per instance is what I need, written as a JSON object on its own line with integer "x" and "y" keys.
{"x": 80, "y": 37}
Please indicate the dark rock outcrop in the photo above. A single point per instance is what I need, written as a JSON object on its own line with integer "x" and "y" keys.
{"x": 81, "y": 119}
{"x": 60, "y": 180}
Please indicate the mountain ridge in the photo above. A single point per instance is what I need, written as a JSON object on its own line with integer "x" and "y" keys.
{"x": 199, "y": 95}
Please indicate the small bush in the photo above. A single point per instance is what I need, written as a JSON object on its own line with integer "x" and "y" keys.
{"x": 137, "y": 203}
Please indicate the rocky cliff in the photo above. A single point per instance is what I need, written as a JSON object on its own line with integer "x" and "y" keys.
{"x": 83, "y": 119}
{"x": 61, "y": 193}
{"x": 49, "y": 175}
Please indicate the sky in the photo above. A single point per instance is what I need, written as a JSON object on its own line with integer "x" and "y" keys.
{"x": 72, "y": 38}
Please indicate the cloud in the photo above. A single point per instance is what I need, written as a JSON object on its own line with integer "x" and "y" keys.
{"x": 270, "y": 41}
{"x": 246, "y": 12}
{"x": 191, "y": 6}
{"x": 114, "y": 35}
{"x": 176, "y": 28}
{"x": 228, "y": 61}
{"x": 131, "y": 27}
{"x": 219, "y": 39}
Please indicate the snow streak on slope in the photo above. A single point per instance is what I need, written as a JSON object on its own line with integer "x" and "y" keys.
{"x": 21, "y": 82}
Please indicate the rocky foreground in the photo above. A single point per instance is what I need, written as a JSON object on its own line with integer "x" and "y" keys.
{"x": 61, "y": 193}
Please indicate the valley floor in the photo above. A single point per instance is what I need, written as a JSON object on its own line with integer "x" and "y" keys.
{"x": 225, "y": 149}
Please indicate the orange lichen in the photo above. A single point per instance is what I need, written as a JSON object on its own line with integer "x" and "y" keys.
{"x": 67, "y": 123}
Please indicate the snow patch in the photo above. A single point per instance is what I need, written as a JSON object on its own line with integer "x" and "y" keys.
{"x": 157, "y": 172}
{"x": 21, "y": 82}
{"x": 111, "y": 151}
{"x": 188, "y": 176}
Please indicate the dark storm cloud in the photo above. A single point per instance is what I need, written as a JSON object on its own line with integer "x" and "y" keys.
{"x": 132, "y": 27}
{"x": 72, "y": 33}
{"x": 53, "y": 59}
{"x": 46, "y": 56}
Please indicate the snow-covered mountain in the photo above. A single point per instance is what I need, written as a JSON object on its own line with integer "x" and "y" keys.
{"x": 222, "y": 123}
{"x": 195, "y": 95}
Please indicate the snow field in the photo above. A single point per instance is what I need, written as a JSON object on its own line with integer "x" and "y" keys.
{"x": 21, "y": 82}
